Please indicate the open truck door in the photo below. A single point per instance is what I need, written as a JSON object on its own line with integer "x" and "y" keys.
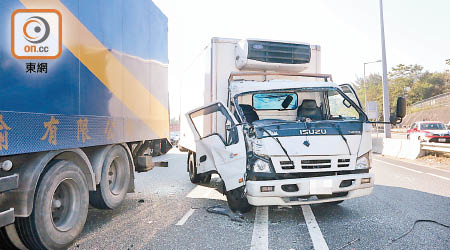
{"x": 219, "y": 142}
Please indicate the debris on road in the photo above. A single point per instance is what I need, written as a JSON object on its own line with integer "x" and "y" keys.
{"x": 349, "y": 243}
{"x": 218, "y": 209}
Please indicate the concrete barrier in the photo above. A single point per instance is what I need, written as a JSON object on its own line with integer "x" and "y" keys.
{"x": 377, "y": 145}
{"x": 401, "y": 148}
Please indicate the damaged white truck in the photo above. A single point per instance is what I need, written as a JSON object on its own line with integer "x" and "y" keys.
{"x": 276, "y": 130}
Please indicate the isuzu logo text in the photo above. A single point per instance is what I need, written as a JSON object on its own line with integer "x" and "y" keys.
{"x": 36, "y": 34}
{"x": 313, "y": 131}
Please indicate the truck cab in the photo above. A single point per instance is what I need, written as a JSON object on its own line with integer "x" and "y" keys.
{"x": 282, "y": 137}
{"x": 287, "y": 143}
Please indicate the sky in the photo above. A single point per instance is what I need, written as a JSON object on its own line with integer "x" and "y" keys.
{"x": 348, "y": 31}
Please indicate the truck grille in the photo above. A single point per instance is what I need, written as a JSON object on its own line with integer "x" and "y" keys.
{"x": 313, "y": 164}
{"x": 343, "y": 163}
{"x": 287, "y": 165}
{"x": 309, "y": 164}
{"x": 274, "y": 52}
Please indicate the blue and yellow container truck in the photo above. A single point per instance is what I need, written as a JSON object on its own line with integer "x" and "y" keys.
{"x": 83, "y": 105}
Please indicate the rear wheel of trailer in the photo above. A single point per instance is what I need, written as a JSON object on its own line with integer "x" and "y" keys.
{"x": 60, "y": 208}
{"x": 114, "y": 181}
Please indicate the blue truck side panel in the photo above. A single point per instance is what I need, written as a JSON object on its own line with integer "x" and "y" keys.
{"x": 69, "y": 106}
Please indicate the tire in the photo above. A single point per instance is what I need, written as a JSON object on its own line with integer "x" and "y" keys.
{"x": 192, "y": 169}
{"x": 114, "y": 180}
{"x": 206, "y": 178}
{"x": 10, "y": 237}
{"x": 237, "y": 201}
{"x": 4, "y": 239}
{"x": 60, "y": 208}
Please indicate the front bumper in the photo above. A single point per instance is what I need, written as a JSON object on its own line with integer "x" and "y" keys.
{"x": 8, "y": 183}
{"x": 442, "y": 139}
{"x": 308, "y": 189}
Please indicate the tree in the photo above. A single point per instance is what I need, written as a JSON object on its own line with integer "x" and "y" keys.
{"x": 405, "y": 72}
{"x": 373, "y": 87}
{"x": 410, "y": 81}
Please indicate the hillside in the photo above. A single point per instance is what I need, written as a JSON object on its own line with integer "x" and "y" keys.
{"x": 435, "y": 114}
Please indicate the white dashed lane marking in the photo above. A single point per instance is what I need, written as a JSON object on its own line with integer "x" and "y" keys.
{"x": 318, "y": 241}
{"x": 185, "y": 217}
{"x": 260, "y": 236}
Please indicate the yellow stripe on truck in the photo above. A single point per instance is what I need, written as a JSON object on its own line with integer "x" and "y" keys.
{"x": 108, "y": 69}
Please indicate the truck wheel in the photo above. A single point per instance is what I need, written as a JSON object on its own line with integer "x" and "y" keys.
{"x": 193, "y": 176}
{"x": 4, "y": 239}
{"x": 114, "y": 181}
{"x": 237, "y": 201}
{"x": 60, "y": 208}
{"x": 10, "y": 238}
{"x": 206, "y": 178}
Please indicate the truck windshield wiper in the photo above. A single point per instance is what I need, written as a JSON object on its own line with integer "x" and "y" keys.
{"x": 279, "y": 143}
{"x": 342, "y": 136}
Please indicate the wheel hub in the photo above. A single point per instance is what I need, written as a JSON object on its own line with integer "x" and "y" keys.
{"x": 65, "y": 204}
{"x": 115, "y": 178}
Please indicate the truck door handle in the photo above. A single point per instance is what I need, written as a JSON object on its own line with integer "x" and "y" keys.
{"x": 202, "y": 158}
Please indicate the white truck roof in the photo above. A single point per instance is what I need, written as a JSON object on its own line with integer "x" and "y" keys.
{"x": 242, "y": 86}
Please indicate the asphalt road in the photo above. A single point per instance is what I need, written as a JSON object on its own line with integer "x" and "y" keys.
{"x": 168, "y": 212}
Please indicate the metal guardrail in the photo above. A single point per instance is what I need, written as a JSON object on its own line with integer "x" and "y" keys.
{"x": 436, "y": 146}
{"x": 438, "y": 100}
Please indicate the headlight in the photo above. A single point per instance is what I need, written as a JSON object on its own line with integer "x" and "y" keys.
{"x": 363, "y": 162}
{"x": 261, "y": 166}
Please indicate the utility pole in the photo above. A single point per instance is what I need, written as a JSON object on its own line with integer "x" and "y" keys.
{"x": 386, "y": 109}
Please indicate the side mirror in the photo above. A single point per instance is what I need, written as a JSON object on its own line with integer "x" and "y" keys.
{"x": 287, "y": 101}
{"x": 401, "y": 107}
{"x": 400, "y": 111}
{"x": 346, "y": 103}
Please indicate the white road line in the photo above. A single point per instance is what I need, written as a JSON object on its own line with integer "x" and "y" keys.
{"x": 438, "y": 176}
{"x": 207, "y": 193}
{"x": 318, "y": 241}
{"x": 197, "y": 192}
{"x": 395, "y": 165}
{"x": 419, "y": 172}
{"x": 434, "y": 168}
{"x": 185, "y": 217}
{"x": 260, "y": 237}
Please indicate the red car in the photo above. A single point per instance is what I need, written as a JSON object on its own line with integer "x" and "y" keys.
{"x": 429, "y": 131}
